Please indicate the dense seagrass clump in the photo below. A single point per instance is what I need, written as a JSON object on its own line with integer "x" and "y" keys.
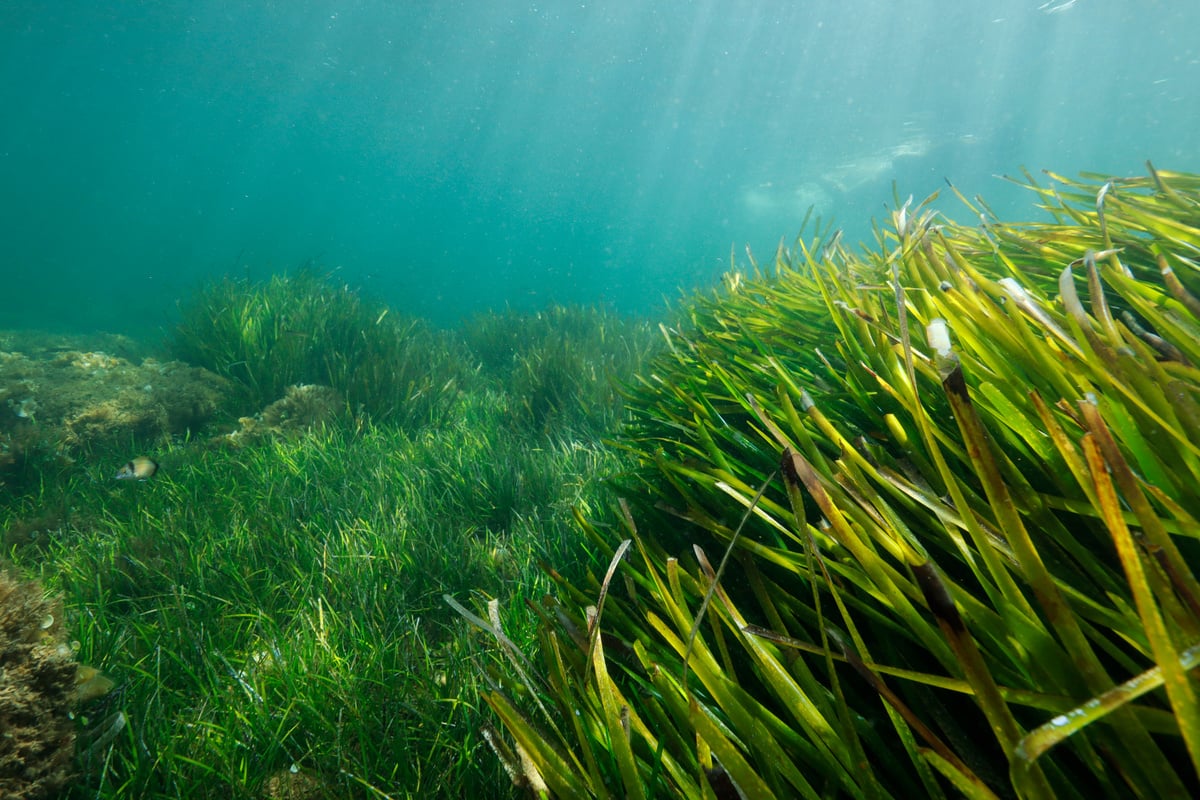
{"x": 309, "y": 329}
{"x": 958, "y": 475}
{"x": 562, "y": 365}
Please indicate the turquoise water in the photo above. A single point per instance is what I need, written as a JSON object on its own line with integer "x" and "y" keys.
{"x": 453, "y": 157}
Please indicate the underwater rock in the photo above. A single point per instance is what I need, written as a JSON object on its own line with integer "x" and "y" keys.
{"x": 37, "y": 693}
{"x": 291, "y": 784}
{"x": 56, "y": 401}
{"x": 302, "y": 407}
{"x": 42, "y": 345}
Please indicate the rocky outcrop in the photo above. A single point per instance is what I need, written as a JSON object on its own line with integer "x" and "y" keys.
{"x": 56, "y": 401}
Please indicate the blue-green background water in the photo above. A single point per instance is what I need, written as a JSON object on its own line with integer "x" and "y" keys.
{"x": 456, "y": 156}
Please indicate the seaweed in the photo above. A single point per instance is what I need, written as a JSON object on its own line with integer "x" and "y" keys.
{"x": 967, "y": 571}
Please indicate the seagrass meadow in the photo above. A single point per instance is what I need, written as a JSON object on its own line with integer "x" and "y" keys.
{"x": 266, "y": 609}
{"x": 917, "y": 520}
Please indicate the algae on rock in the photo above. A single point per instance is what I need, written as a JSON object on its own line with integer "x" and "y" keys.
{"x": 37, "y": 693}
{"x": 57, "y": 402}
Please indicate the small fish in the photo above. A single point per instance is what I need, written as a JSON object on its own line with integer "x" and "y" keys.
{"x": 91, "y": 683}
{"x": 139, "y": 469}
